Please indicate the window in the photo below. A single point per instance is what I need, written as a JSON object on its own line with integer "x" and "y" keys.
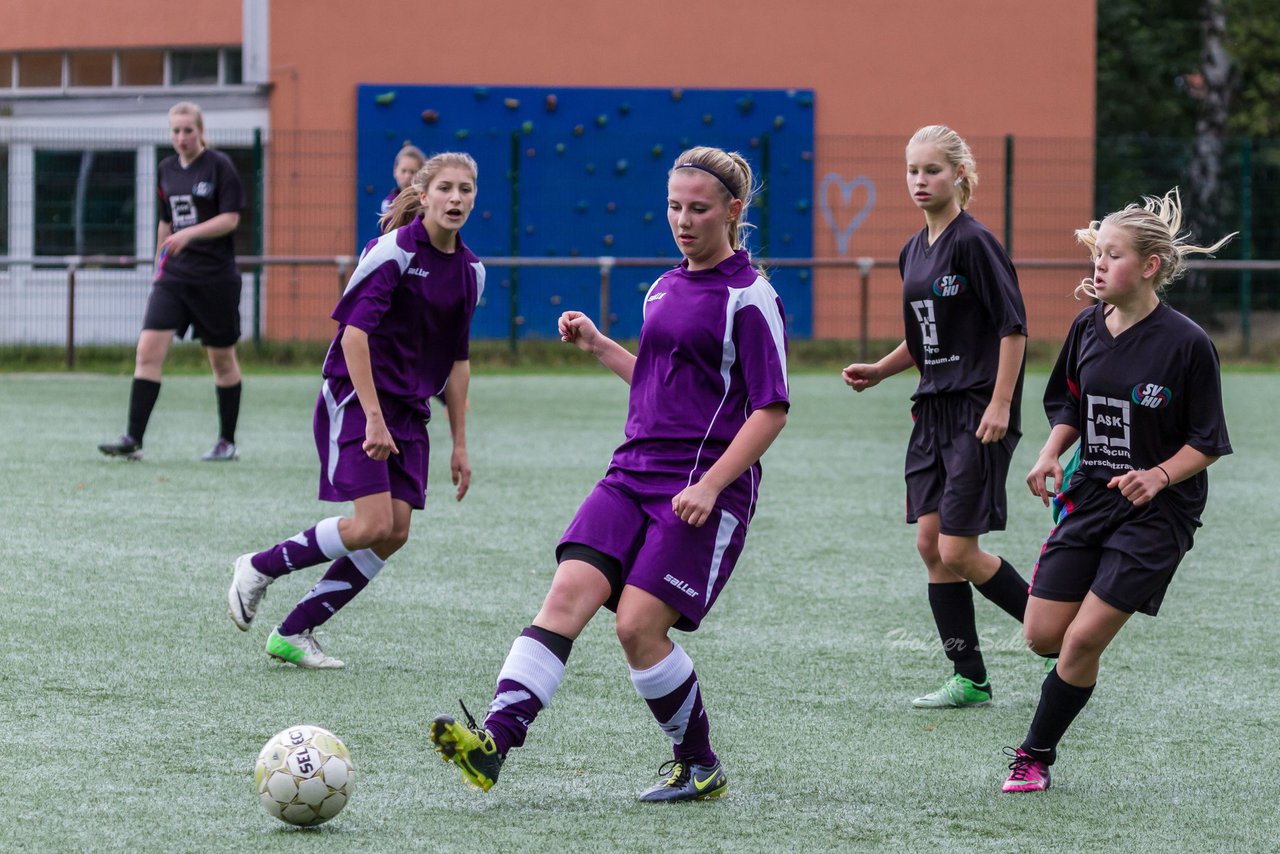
{"x": 85, "y": 202}
{"x": 6, "y": 70}
{"x": 193, "y": 68}
{"x": 40, "y": 70}
{"x": 141, "y": 68}
{"x": 233, "y": 66}
{"x": 4, "y": 201}
{"x": 91, "y": 68}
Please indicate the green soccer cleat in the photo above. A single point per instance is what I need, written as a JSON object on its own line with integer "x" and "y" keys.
{"x": 688, "y": 782}
{"x": 302, "y": 650}
{"x": 470, "y": 747}
{"x": 956, "y": 693}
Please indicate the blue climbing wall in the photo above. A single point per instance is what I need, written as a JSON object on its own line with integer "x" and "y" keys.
{"x": 582, "y": 172}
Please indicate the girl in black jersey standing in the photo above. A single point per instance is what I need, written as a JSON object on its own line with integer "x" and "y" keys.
{"x": 197, "y": 284}
{"x": 1138, "y": 383}
{"x": 966, "y": 334}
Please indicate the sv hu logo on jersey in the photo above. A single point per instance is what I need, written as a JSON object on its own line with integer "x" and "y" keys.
{"x": 1151, "y": 395}
{"x": 950, "y": 285}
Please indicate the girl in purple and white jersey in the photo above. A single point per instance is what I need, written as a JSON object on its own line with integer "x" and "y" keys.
{"x": 408, "y": 161}
{"x": 658, "y": 537}
{"x": 966, "y": 333}
{"x": 403, "y": 336}
{"x": 1138, "y": 384}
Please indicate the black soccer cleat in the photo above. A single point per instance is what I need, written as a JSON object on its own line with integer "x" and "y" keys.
{"x": 126, "y": 446}
{"x": 688, "y": 782}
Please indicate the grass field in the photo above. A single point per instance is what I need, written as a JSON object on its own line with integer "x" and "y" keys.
{"x": 131, "y": 710}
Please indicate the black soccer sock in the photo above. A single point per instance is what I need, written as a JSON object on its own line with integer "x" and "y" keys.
{"x": 228, "y": 411}
{"x": 1007, "y": 589}
{"x": 1060, "y": 702}
{"x": 952, "y": 605}
{"x": 142, "y": 399}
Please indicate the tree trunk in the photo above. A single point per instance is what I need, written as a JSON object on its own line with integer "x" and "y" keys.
{"x": 1205, "y": 170}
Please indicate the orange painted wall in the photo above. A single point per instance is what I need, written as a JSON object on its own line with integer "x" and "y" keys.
{"x": 879, "y": 71}
{"x": 77, "y": 24}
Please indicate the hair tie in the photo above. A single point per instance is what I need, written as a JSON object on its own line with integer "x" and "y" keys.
{"x": 713, "y": 173}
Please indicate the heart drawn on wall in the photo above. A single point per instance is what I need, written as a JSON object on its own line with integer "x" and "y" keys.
{"x": 844, "y": 219}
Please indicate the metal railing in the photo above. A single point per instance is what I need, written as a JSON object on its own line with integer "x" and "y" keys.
{"x": 605, "y": 264}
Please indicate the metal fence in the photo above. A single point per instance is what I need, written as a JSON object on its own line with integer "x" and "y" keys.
{"x": 77, "y": 233}
{"x": 111, "y": 280}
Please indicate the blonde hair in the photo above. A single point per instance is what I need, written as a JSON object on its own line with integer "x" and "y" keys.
{"x": 410, "y": 150}
{"x": 1154, "y": 228}
{"x": 734, "y": 178}
{"x": 191, "y": 109}
{"x": 956, "y": 152}
{"x": 407, "y": 205}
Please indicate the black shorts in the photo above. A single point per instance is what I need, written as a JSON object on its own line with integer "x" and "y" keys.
{"x": 953, "y": 474}
{"x": 211, "y": 310}
{"x": 1125, "y": 555}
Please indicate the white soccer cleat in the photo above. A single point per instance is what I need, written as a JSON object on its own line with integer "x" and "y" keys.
{"x": 302, "y": 650}
{"x": 248, "y": 586}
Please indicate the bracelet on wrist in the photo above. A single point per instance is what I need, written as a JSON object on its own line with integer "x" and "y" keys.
{"x": 1167, "y": 480}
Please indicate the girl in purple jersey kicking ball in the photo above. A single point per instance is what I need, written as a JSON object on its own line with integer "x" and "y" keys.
{"x": 1138, "y": 384}
{"x": 404, "y": 326}
{"x": 966, "y": 333}
{"x": 658, "y": 537}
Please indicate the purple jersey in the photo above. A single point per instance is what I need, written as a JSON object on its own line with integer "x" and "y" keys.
{"x": 416, "y": 303}
{"x": 712, "y": 350}
{"x": 388, "y": 202}
{"x": 960, "y": 297}
{"x": 1139, "y": 398}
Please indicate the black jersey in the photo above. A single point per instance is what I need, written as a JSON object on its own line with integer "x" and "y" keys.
{"x": 1139, "y": 398}
{"x": 206, "y": 187}
{"x": 960, "y": 296}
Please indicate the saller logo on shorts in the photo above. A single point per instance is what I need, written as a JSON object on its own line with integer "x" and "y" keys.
{"x": 681, "y": 586}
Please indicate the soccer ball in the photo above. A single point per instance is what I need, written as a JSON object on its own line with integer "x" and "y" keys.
{"x": 304, "y": 775}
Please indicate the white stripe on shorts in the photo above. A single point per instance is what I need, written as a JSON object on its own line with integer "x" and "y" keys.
{"x": 336, "y": 411}
{"x": 724, "y": 534}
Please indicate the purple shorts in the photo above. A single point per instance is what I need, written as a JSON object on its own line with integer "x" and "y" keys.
{"x": 684, "y": 566}
{"x": 346, "y": 471}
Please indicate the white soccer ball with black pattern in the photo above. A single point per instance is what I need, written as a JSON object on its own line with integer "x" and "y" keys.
{"x": 304, "y": 775}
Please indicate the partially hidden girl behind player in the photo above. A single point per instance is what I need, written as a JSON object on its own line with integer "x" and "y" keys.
{"x": 403, "y": 336}
{"x": 408, "y": 161}
{"x": 966, "y": 334}
{"x": 658, "y": 537}
{"x": 1138, "y": 384}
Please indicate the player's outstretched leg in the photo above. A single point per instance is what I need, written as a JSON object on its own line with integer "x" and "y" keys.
{"x": 528, "y": 680}
{"x": 470, "y": 747}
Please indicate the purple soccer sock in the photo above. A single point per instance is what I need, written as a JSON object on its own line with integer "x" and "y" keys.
{"x": 308, "y": 548}
{"x": 340, "y": 584}
{"x": 528, "y": 680}
{"x": 670, "y": 688}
